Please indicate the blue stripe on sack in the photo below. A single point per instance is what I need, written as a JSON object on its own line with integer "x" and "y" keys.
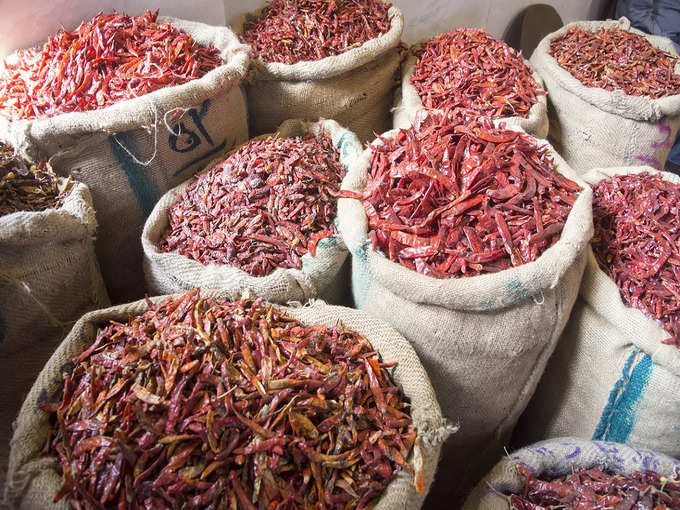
{"x": 145, "y": 190}
{"x": 618, "y": 417}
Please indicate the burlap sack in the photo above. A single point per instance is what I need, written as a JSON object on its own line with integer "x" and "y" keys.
{"x": 408, "y": 103}
{"x": 610, "y": 377}
{"x": 483, "y": 340}
{"x": 49, "y": 277}
{"x": 130, "y": 153}
{"x": 559, "y": 457}
{"x": 33, "y": 479}
{"x": 323, "y": 276}
{"x": 591, "y": 127}
{"x": 355, "y": 88}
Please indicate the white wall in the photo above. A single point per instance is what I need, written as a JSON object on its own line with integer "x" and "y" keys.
{"x": 27, "y": 22}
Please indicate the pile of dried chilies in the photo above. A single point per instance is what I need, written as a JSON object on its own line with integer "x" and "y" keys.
{"x": 468, "y": 69}
{"x": 595, "y": 489}
{"x": 454, "y": 200}
{"x": 205, "y": 403}
{"x": 26, "y": 186}
{"x": 291, "y": 31}
{"x": 263, "y": 208}
{"x": 108, "y": 59}
{"x": 637, "y": 243}
{"x": 615, "y": 59}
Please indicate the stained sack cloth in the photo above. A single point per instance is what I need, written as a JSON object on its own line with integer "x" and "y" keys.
{"x": 49, "y": 277}
{"x": 560, "y": 457}
{"x": 130, "y": 153}
{"x": 354, "y": 88}
{"x": 324, "y": 275}
{"x": 610, "y": 377}
{"x": 594, "y": 128}
{"x": 33, "y": 479}
{"x": 484, "y": 340}
{"x": 408, "y": 104}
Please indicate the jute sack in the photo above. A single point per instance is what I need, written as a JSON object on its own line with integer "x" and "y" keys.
{"x": 560, "y": 457}
{"x": 49, "y": 277}
{"x": 408, "y": 103}
{"x": 592, "y": 127}
{"x": 483, "y": 340}
{"x": 321, "y": 276}
{"x": 610, "y": 377}
{"x": 130, "y": 153}
{"x": 355, "y": 88}
{"x": 33, "y": 479}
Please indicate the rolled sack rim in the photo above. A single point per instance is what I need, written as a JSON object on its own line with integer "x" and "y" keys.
{"x": 598, "y": 288}
{"x": 149, "y": 110}
{"x": 535, "y": 123}
{"x": 489, "y": 291}
{"x": 558, "y": 457}
{"x": 193, "y": 272}
{"x": 73, "y": 220}
{"x": 638, "y": 108}
{"x": 327, "y": 67}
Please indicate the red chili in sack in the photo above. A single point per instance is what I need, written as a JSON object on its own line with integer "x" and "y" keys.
{"x": 636, "y": 242}
{"x": 469, "y": 70}
{"x": 451, "y": 199}
{"x": 111, "y": 58}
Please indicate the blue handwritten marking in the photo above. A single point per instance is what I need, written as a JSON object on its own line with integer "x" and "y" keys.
{"x": 145, "y": 190}
{"x": 618, "y": 417}
{"x": 202, "y": 157}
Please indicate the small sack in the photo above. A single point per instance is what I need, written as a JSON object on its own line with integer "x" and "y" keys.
{"x": 354, "y": 88}
{"x": 610, "y": 377}
{"x": 408, "y": 103}
{"x": 484, "y": 340}
{"x": 130, "y": 153}
{"x": 323, "y": 276}
{"x": 33, "y": 479}
{"x": 592, "y": 127}
{"x": 559, "y": 457}
{"x": 49, "y": 277}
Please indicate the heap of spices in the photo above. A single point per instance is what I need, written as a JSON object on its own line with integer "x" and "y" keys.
{"x": 454, "y": 200}
{"x": 111, "y": 58}
{"x": 263, "y": 208}
{"x": 206, "y": 403}
{"x": 468, "y": 69}
{"x": 291, "y": 31}
{"x": 26, "y": 186}
{"x": 615, "y": 59}
{"x": 595, "y": 489}
{"x": 637, "y": 244}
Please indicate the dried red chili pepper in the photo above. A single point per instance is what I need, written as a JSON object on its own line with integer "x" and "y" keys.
{"x": 291, "y": 31}
{"x": 453, "y": 200}
{"x": 615, "y": 59}
{"x": 636, "y": 242}
{"x": 468, "y": 69}
{"x": 108, "y": 59}
{"x": 26, "y": 186}
{"x": 595, "y": 489}
{"x": 205, "y": 403}
{"x": 263, "y": 208}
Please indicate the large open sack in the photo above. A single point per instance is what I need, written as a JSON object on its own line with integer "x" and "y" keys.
{"x": 484, "y": 340}
{"x": 592, "y": 127}
{"x": 408, "y": 103}
{"x": 325, "y": 275}
{"x": 559, "y": 457}
{"x": 610, "y": 377}
{"x": 355, "y": 88}
{"x": 33, "y": 479}
{"x": 49, "y": 277}
{"x": 130, "y": 153}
